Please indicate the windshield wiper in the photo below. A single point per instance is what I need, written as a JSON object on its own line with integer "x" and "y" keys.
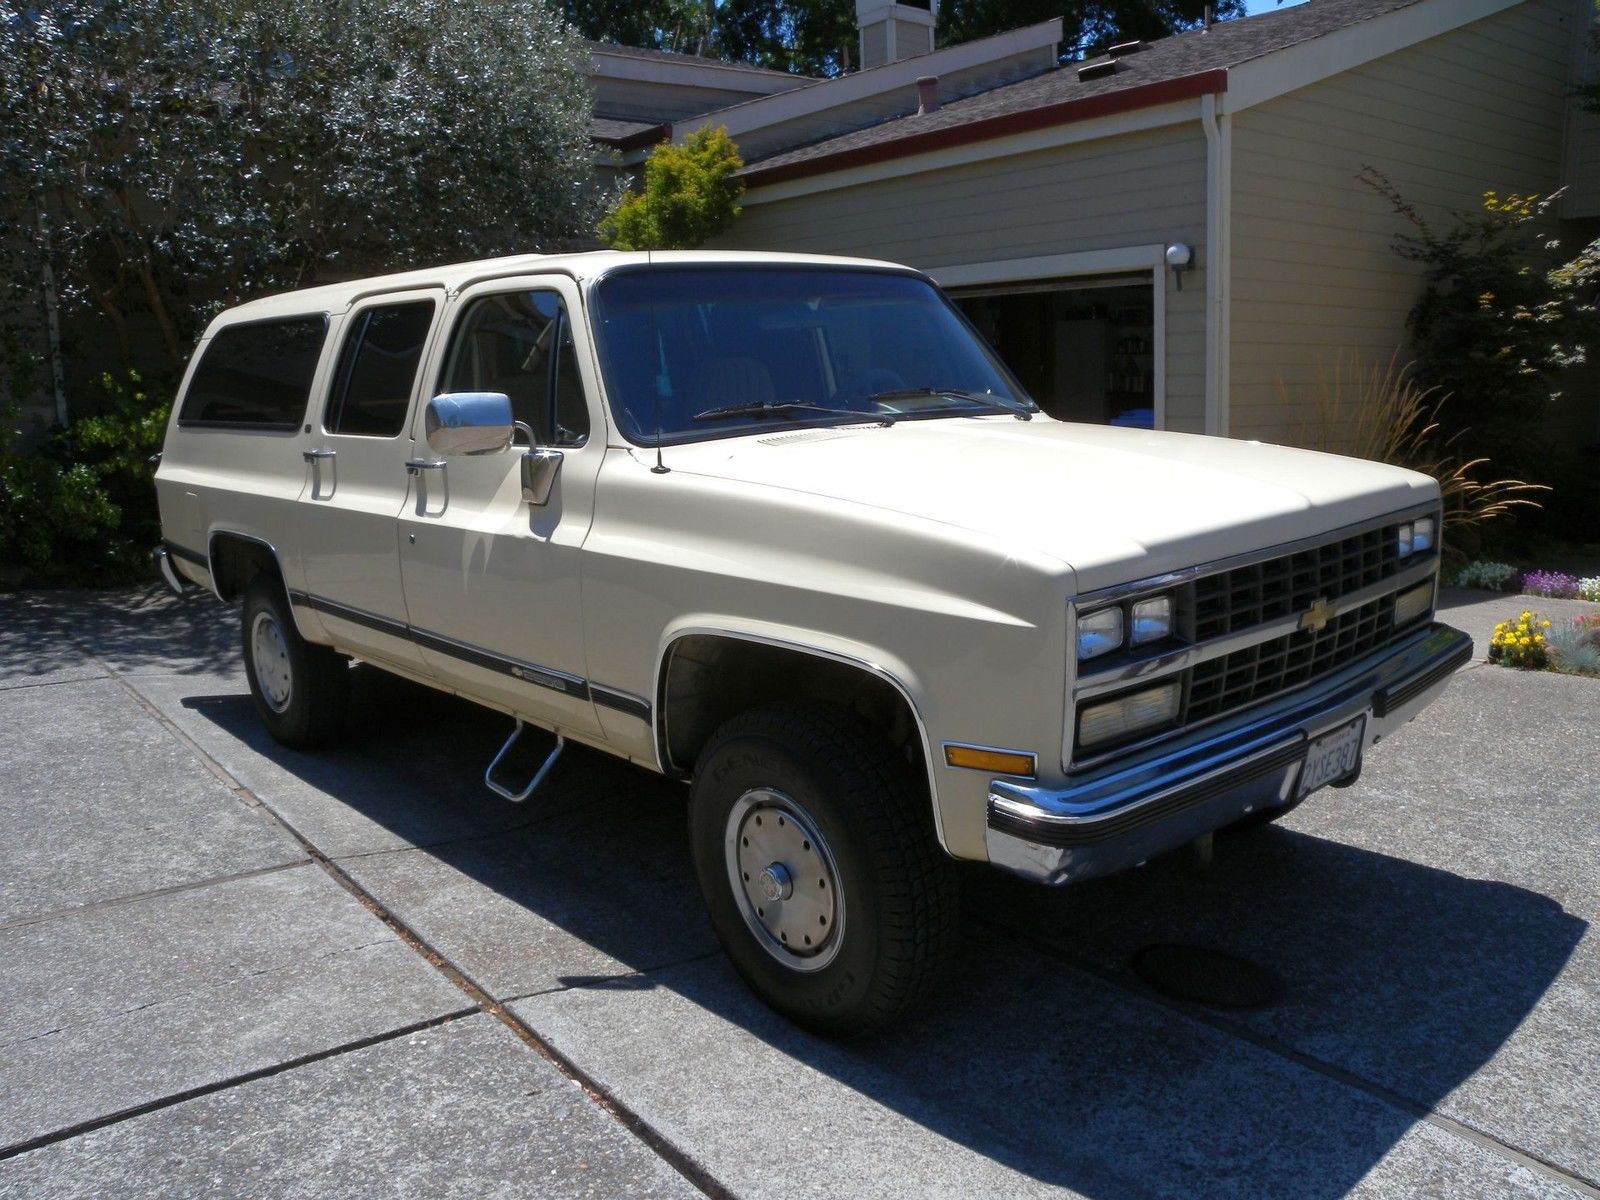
{"x": 1023, "y": 412}
{"x": 769, "y": 408}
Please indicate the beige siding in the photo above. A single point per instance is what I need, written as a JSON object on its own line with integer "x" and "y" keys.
{"x": 1314, "y": 274}
{"x": 1583, "y": 130}
{"x": 1134, "y": 190}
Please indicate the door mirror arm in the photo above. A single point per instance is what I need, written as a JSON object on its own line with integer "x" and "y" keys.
{"x": 540, "y": 466}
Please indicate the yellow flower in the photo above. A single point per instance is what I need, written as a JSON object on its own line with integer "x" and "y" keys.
{"x": 1544, "y": 625}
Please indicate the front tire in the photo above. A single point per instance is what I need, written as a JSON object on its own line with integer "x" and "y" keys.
{"x": 300, "y": 689}
{"x": 817, "y": 859}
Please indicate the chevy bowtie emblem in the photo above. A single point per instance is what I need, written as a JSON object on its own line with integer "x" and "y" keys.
{"x": 1318, "y": 615}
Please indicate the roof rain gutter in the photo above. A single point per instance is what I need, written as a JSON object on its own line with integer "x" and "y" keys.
{"x": 1218, "y": 262}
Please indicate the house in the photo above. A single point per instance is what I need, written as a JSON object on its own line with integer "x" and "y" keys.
{"x": 1173, "y": 234}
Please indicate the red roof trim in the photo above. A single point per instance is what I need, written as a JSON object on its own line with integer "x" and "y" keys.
{"x": 1166, "y": 91}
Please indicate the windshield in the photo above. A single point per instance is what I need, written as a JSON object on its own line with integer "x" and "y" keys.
{"x": 702, "y": 352}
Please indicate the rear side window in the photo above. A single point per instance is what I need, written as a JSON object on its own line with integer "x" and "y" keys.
{"x": 256, "y": 376}
{"x": 377, "y": 367}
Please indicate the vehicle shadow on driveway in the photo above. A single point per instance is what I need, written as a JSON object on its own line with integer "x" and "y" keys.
{"x": 1043, "y": 1053}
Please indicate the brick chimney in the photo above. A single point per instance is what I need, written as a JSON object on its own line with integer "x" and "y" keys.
{"x": 894, "y": 31}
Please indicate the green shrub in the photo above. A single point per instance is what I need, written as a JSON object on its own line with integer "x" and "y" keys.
{"x": 81, "y": 508}
{"x": 690, "y": 194}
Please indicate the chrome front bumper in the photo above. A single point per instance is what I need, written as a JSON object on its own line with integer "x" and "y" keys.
{"x": 1125, "y": 812}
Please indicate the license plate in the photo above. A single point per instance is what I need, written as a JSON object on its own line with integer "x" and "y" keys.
{"x": 1332, "y": 756}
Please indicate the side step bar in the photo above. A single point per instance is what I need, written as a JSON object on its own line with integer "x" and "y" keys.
{"x": 538, "y": 776}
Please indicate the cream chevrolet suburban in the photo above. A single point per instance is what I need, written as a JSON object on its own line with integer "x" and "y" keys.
{"x": 785, "y": 528}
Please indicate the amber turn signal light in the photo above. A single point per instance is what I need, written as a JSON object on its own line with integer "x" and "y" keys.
{"x": 1001, "y": 762}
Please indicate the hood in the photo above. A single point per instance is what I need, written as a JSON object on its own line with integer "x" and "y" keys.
{"x": 1114, "y": 504}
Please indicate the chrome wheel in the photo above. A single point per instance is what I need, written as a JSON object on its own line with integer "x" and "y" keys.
{"x": 269, "y": 660}
{"x": 784, "y": 879}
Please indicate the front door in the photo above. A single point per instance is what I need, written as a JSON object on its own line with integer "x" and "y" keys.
{"x": 356, "y": 477}
{"x": 492, "y": 581}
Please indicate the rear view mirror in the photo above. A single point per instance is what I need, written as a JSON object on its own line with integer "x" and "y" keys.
{"x": 469, "y": 423}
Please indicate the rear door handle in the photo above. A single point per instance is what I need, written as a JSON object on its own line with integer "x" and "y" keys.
{"x": 317, "y": 455}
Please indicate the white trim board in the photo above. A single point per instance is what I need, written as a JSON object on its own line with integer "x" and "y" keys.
{"x": 1152, "y": 258}
{"x": 821, "y": 95}
{"x": 1050, "y": 266}
{"x": 715, "y": 75}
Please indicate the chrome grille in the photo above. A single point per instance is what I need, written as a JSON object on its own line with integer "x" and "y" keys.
{"x": 1238, "y": 601}
{"x": 1244, "y": 597}
{"x": 1263, "y": 670}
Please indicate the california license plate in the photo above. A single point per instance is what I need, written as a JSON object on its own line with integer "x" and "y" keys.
{"x": 1332, "y": 756}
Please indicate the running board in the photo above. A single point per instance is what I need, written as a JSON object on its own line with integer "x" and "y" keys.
{"x": 538, "y": 776}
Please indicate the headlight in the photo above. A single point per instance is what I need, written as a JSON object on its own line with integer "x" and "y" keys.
{"x": 1099, "y": 632}
{"x": 1413, "y": 604}
{"x": 1152, "y": 620}
{"x": 1413, "y": 537}
{"x": 1130, "y": 623}
{"x": 1125, "y": 716}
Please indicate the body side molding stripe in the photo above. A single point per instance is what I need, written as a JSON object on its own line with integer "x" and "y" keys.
{"x": 545, "y": 677}
{"x": 622, "y": 702}
{"x": 188, "y": 555}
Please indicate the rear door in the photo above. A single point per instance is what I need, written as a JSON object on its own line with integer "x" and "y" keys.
{"x": 492, "y": 581}
{"x": 356, "y": 476}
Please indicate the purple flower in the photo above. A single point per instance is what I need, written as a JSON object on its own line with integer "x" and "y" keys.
{"x": 1550, "y": 583}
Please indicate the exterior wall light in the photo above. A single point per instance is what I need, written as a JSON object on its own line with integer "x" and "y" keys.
{"x": 1180, "y": 258}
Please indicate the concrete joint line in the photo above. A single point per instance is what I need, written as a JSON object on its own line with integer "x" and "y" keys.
{"x": 1565, "y": 1176}
{"x": 44, "y": 683}
{"x": 678, "y": 1160}
{"x": 222, "y": 1085}
{"x": 56, "y": 914}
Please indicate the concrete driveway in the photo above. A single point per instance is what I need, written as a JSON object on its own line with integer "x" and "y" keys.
{"x": 230, "y": 968}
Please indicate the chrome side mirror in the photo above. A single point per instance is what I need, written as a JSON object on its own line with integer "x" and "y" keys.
{"x": 469, "y": 423}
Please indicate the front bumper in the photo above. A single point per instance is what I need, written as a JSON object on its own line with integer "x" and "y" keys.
{"x": 1125, "y": 812}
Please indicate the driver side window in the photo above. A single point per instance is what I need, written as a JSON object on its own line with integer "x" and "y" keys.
{"x": 520, "y": 343}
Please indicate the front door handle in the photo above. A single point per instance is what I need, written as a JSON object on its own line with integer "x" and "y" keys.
{"x": 420, "y": 467}
{"x": 312, "y": 456}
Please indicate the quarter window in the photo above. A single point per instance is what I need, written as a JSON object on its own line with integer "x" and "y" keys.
{"x": 377, "y": 368}
{"x": 256, "y": 375}
{"x": 520, "y": 343}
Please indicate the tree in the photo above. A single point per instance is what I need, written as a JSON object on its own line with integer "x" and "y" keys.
{"x": 167, "y": 157}
{"x": 1089, "y": 25}
{"x": 160, "y": 159}
{"x": 818, "y": 37}
{"x": 690, "y": 194}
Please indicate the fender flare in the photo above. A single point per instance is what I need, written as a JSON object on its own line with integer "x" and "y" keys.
{"x": 857, "y": 657}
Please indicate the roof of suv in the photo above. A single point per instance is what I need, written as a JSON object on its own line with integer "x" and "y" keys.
{"x": 337, "y": 297}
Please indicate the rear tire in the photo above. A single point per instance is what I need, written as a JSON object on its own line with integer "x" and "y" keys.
{"x": 300, "y": 689}
{"x": 853, "y": 920}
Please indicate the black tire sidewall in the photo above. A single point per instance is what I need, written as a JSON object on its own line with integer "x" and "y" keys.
{"x": 298, "y": 723}
{"x": 833, "y": 999}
